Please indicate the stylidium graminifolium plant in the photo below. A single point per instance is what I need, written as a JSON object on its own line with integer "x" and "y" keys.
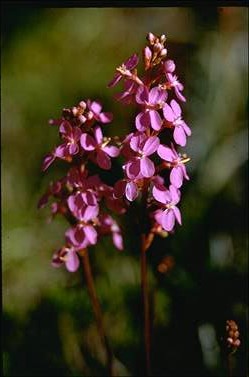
{"x": 153, "y": 169}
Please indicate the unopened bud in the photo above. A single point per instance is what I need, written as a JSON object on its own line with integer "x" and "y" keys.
{"x": 157, "y": 47}
{"x": 147, "y": 57}
{"x": 81, "y": 118}
{"x": 163, "y": 38}
{"x": 169, "y": 66}
{"x": 151, "y": 38}
{"x": 82, "y": 104}
{"x": 74, "y": 111}
{"x": 163, "y": 52}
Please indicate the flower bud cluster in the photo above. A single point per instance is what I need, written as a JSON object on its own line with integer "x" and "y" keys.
{"x": 151, "y": 159}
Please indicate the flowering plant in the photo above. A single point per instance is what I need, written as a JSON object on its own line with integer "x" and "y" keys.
{"x": 153, "y": 169}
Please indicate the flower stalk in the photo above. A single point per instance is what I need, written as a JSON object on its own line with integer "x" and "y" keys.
{"x": 97, "y": 309}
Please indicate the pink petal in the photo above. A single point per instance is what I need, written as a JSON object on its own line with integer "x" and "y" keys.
{"x": 158, "y": 216}
{"x": 65, "y": 128}
{"x": 161, "y": 194}
{"x": 165, "y": 153}
{"x": 72, "y": 261}
{"x": 184, "y": 171}
{"x": 105, "y": 117}
{"x": 117, "y": 77}
{"x": 96, "y": 107}
{"x": 117, "y": 240}
{"x": 87, "y": 142}
{"x": 89, "y": 198}
{"x": 177, "y": 215}
{"x": 151, "y": 145}
{"x": 111, "y": 151}
{"x": 175, "y": 194}
{"x": 56, "y": 261}
{"x": 61, "y": 151}
{"x": 179, "y": 94}
{"x": 180, "y": 136}
{"x": 155, "y": 120}
{"x": 168, "y": 219}
{"x": 157, "y": 95}
{"x": 137, "y": 141}
{"x": 147, "y": 167}
{"x": 91, "y": 234}
{"x": 142, "y": 121}
{"x": 186, "y": 128}
{"x": 176, "y": 177}
{"x": 168, "y": 113}
{"x": 73, "y": 148}
{"x": 131, "y": 191}
{"x": 76, "y": 133}
{"x": 98, "y": 134}
{"x": 142, "y": 94}
{"x": 132, "y": 61}
{"x": 48, "y": 160}
{"x": 103, "y": 160}
{"x": 90, "y": 213}
{"x": 71, "y": 203}
{"x": 176, "y": 108}
{"x": 132, "y": 168}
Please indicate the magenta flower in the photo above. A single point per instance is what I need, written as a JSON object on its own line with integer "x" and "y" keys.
{"x": 126, "y": 187}
{"x": 83, "y": 206}
{"x": 82, "y": 235}
{"x": 67, "y": 255}
{"x": 142, "y": 165}
{"x": 129, "y": 92}
{"x": 152, "y": 101}
{"x": 124, "y": 69}
{"x": 169, "y": 198}
{"x": 108, "y": 225}
{"x": 99, "y": 145}
{"x": 72, "y": 137}
{"x": 172, "y": 114}
{"x": 95, "y": 107}
{"x": 178, "y": 171}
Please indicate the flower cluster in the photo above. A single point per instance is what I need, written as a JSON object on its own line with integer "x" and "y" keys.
{"x": 232, "y": 335}
{"x": 150, "y": 151}
{"x": 78, "y": 196}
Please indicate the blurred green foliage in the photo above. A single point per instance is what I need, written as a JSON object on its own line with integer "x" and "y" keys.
{"x": 52, "y": 58}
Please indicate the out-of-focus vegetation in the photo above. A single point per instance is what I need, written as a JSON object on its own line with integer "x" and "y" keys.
{"x": 52, "y": 58}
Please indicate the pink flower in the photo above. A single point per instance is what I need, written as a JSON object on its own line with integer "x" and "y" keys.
{"x": 169, "y": 198}
{"x": 152, "y": 101}
{"x": 172, "y": 114}
{"x": 178, "y": 171}
{"x": 127, "y": 187}
{"x": 72, "y": 137}
{"x": 95, "y": 107}
{"x": 83, "y": 206}
{"x": 125, "y": 68}
{"x": 142, "y": 165}
{"x": 128, "y": 95}
{"x": 82, "y": 235}
{"x": 97, "y": 144}
{"x": 67, "y": 255}
{"x": 109, "y": 226}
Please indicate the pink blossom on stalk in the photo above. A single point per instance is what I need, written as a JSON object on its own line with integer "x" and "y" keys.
{"x": 99, "y": 145}
{"x": 126, "y": 187}
{"x": 172, "y": 114}
{"x": 95, "y": 107}
{"x": 178, "y": 171}
{"x": 67, "y": 255}
{"x": 71, "y": 135}
{"x": 169, "y": 67}
{"x": 169, "y": 198}
{"x": 152, "y": 101}
{"x": 141, "y": 165}
{"x": 124, "y": 70}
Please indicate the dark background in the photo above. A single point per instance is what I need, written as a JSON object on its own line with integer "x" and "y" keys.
{"x": 54, "y": 57}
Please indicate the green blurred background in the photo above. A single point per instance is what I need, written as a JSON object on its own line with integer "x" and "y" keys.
{"x": 54, "y": 57}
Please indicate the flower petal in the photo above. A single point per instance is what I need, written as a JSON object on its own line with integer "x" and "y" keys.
{"x": 65, "y": 128}
{"x": 177, "y": 214}
{"x": 180, "y": 136}
{"x": 87, "y": 142}
{"x": 98, "y": 134}
{"x": 105, "y": 117}
{"x": 72, "y": 261}
{"x": 90, "y": 213}
{"x": 165, "y": 153}
{"x": 175, "y": 194}
{"x": 160, "y": 193}
{"x": 186, "y": 128}
{"x": 143, "y": 121}
{"x": 95, "y": 107}
{"x": 179, "y": 94}
{"x": 176, "y": 108}
{"x": 155, "y": 120}
{"x": 157, "y": 95}
{"x": 47, "y": 161}
{"x": 131, "y": 191}
{"x": 89, "y": 198}
{"x": 176, "y": 176}
{"x": 168, "y": 113}
{"x": 137, "y": 141}
{"x": 117, "y": 240}
{"x": 117, "y": 77}
{"x": 132, "y": 168}
{"x": 168, "y": 219}
{"x": 91, "y": 234}
{"x": 151, "y": 145}
{"x": 147, "y": 167}
{"x": 103, "y": 160}
{"x": 111, "y": 150}
{"x": 131, "y": 62}
{"x": 142, "y": 94}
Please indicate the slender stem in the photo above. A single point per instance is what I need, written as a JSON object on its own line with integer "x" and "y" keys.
{"x": 146, "y": 308}
{"x": 96, "y": 309}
